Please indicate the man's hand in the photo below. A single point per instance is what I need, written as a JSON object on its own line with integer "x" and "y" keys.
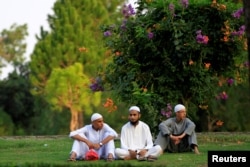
{"x": 182, "y": 135}
{"x": 96, "y": 146}
{"x": 90, "y": 144}
{"x": 175, "y": 139}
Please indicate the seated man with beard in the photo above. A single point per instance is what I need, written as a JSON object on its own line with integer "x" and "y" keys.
{"x": 136, "y": 139}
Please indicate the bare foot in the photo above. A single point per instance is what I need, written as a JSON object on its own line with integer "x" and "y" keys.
{"x": 196, "y": 151}
{"x": 110, "y": 158}
{"x": 127, "y": 158}
{"x": 72, "y": 157}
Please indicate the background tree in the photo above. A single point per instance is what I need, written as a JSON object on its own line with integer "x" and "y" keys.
{"x": 16, "y": 102}
{"x": 175, "y": 53}
{"x": 12, "y": 44}
{"x": 16, "y": 99}
{"x": 74, "y": 38}
{"x": 66, "y": 88}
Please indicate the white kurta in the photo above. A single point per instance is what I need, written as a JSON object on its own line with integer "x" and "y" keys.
{"x": 87, "y": 132}
{"x": 135, "y": 138}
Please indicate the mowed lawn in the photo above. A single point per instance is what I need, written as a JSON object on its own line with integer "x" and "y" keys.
{"x": 54, "y": 151}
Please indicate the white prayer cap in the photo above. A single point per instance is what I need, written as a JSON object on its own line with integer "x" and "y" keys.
{"x": 95, "y": 116}
{"x": 179, "y": 107}
{"x": 134, "y": 108}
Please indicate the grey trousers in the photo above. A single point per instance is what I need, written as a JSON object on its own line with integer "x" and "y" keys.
{"x": 168, "y": 145}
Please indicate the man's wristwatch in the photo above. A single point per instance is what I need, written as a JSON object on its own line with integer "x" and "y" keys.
{"x": 101, "y": 144}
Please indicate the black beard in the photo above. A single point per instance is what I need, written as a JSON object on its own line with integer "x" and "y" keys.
{"x": 134, "y": 123}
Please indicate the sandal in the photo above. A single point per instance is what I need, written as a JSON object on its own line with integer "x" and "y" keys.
{"x": 72, "y": 159}
{"x": 142, "y": 158}
{"x": 151, "y": 158}
{"x": 110, "y": 158}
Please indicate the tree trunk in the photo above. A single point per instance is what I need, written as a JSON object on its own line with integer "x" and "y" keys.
{"x": 246, "y": 5}
{"x": 76, "y": 120}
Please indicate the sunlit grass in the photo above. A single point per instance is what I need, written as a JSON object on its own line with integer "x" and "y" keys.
{"x": 54, "y": 151}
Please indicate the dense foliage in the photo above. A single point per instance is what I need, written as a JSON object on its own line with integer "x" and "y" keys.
{"x": 167, "y": 53}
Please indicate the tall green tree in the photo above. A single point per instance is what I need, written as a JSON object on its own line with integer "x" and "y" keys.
{"x": 69, "y": 88}
{"x": 75, "y": 37}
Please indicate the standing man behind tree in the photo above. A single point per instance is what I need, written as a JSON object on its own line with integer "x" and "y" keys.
{"x": 177, "y": 134}
{"x": 136, "y": 139}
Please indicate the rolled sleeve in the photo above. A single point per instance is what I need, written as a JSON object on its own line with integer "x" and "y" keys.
{"x": 164, "y": 127}
{"x": 110, "y": 131}
{"x": 190, "y": 127}
{"x": 77, "y": 132}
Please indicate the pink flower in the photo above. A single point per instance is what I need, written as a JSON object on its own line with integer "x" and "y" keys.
{"x": 203, "y": 39}
{"x": 184, "y": 3}
{"x": 150, "y": 35}
{"x": 230, "y": 81}
{"x": 167, "y": 112}
{"x": 222, "y": 96}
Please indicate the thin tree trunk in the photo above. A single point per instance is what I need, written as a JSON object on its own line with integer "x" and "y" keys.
{"x": 80, "y": 119}
{"x": 246, "y": 5}
{"x": 76, "y": 121}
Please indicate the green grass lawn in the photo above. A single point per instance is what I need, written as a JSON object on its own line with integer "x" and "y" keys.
{"x": 54, "y": 151}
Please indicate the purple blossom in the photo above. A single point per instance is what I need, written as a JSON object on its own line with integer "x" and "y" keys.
{"x": 131, "y": 10}
{"x": 242, "y": 29}
{"x": 167, "y": 112}
{"x": 240, "y": 32}
{"x": 171, "y": 7}
{"x": 107, "y": 33}
{"x": 199, "y": 38}
{"x": 230, "y": 81}
{"x": 238, "y": 13}
{"x": 169, "y": 107}
{"x": 222, "y": 96}
{"x": 128, "y": 11}
{"x": 203, "y": 39}
{"x": 96, "y": 85}
{"x": 184, "y": 3}
{"x": 123, "y": 26}
{"x": 150, "y": 35}
{"x": 246, "y": 64}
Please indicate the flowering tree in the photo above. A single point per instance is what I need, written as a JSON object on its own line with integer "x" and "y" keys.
{"x": 167, "y": 53}
{"x": 247, "y": 22}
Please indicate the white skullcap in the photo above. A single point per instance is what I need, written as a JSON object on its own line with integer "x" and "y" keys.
{"x": 179, "y": 107}
{"x": 134, "y": 108}
{"x": 95, "y": 116}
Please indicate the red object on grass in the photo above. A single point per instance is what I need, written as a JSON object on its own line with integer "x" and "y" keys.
{"x": 91, "y": 155}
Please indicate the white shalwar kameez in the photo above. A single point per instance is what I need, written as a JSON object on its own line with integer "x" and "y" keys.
{"x": 87, "y": 132}
{"x": 136, "y": 138}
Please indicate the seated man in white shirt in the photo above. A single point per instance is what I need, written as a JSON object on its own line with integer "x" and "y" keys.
{"x": 136, "y": 139}
{"x": 98, "y": 136}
